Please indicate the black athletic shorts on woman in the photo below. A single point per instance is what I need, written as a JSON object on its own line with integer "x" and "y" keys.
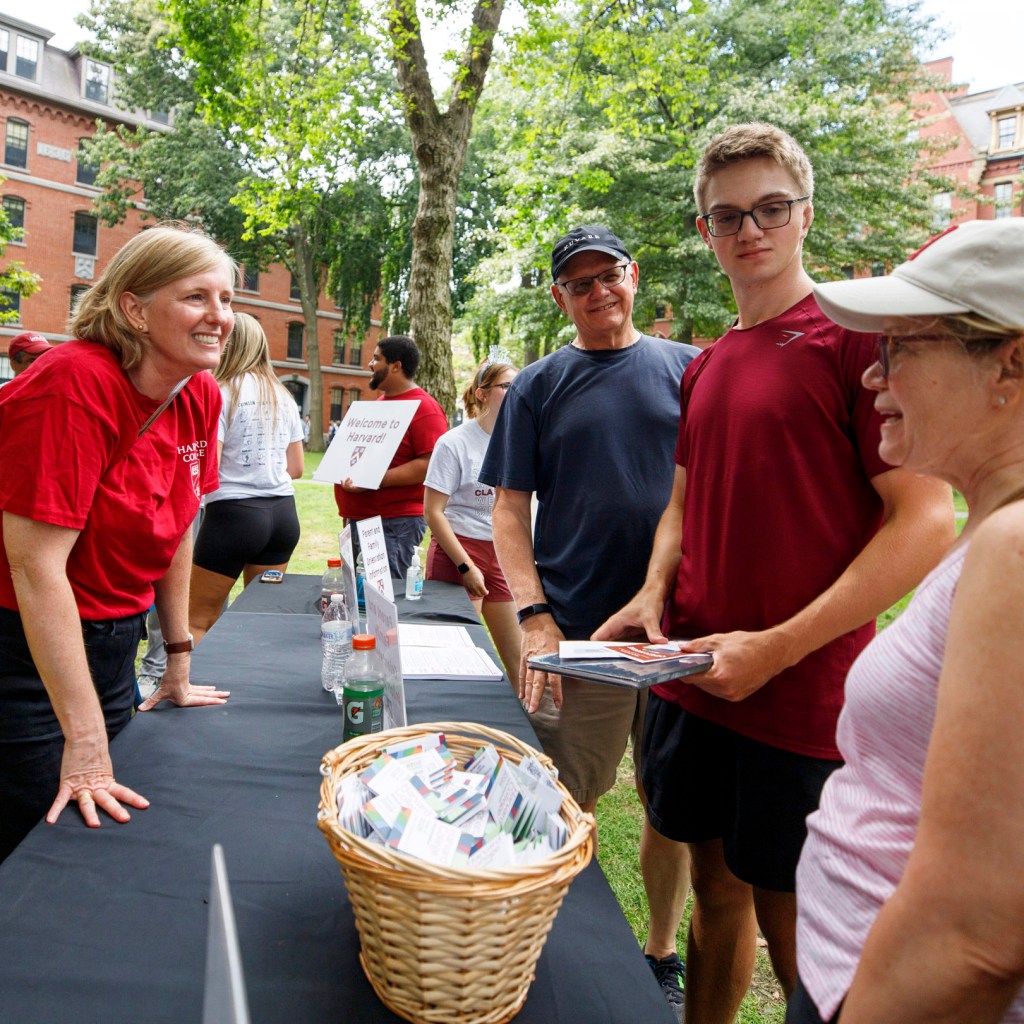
{"x": 707, "y": 782}
{"x": 237, "y": 532}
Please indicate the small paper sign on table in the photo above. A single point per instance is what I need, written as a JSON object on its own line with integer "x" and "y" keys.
{"x": 348, "y": 568}
{"x": 375, "y": 557}
{"x": 382, "y": 622}
{"x": 366, "y": 442}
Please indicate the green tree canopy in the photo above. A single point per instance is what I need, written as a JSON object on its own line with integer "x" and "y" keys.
{"x": 607, "y": 106}
{"x": 283, "y": 139}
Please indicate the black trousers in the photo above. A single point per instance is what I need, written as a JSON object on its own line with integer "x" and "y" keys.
{"x": 31, "y": 741}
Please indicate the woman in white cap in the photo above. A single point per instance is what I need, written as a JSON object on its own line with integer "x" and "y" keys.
{"x": 910, "y": 889}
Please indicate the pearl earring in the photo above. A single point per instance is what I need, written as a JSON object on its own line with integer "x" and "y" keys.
{"x": 1001, "y": 399}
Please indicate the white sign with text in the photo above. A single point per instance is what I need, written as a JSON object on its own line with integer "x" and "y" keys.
{"x": 366, "y": 442}
{"x": 382, "y": 623}
{"x": 375, "y": 557}
{"x": 348, "y": 566}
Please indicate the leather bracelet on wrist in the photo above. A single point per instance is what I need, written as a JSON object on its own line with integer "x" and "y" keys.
{"x": 530, "y": 610}
{"x": 181, "y": 647}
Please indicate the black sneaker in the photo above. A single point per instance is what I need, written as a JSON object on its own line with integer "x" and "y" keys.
{"x": 671, "y": 975}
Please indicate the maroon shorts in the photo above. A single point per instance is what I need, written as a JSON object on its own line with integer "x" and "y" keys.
{"x": 481, "y": 553}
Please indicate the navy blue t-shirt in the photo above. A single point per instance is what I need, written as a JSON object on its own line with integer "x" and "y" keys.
{"x": 593, "y": 433}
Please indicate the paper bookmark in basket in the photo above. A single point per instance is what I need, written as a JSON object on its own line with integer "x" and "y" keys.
{"x": 382, "y": 623}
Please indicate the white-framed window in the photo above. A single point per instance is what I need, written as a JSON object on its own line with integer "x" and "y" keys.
{"x": 296, "y": 337}
{"x": 16, "y": 143}
{"x": 85, "y": 172}
{"x": 942, "y": 210}
{"x": 1006, "y": 131}
{"x": 250, "y": 278}
{"x": 97, "y": 81}
{"x": 14, "y": 208}
{"x": 86, "y": 233}
{"x": 1003, "y": 199}
{"x": 5, "y": 48}
{"x": 10, "y": 302}
{"x": 77, "y": 291}
{"x": 337, "y": 403}
{"x": 26, "y": 63}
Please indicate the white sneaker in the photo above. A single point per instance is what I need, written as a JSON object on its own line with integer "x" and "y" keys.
{"x": 148, "y": 685}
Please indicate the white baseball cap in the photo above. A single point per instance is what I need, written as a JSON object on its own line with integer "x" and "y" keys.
{"x": 976, "y": 267}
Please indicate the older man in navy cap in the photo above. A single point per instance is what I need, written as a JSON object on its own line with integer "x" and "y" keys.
{"x": 24, "y": 349}
{"x": 590, "y": 429}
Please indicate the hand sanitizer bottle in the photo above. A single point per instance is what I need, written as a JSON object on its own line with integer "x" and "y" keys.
{"x": 414, "y": 579}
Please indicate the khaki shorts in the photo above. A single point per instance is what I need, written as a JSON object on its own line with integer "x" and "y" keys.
{"x": 587, "y": 737}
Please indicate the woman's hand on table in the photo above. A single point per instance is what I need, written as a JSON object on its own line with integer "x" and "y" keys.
{"x": 176, "y": 687}
{"x": 87, "y": 778}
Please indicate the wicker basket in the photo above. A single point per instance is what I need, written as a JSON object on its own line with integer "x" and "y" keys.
{"x": 414, "y": 918}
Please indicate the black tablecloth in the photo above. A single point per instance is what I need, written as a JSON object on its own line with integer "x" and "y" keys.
{"x": 109, "y": 925}
{"x": 442, "y": 602}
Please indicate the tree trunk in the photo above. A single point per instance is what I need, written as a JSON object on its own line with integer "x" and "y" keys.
{"x": 430, "y": 299}
{"x": 439, "y": 145}
{"x": 308, "y": 277}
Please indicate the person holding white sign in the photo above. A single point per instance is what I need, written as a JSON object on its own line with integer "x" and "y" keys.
{"x": 399, "y": 498}
{"x": 458, "y": 511}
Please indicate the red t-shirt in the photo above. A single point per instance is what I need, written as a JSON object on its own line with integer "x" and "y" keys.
{"x": 779, "y": 441}
{"x": 72, "y": 457}
{"x": 428, "y": 424}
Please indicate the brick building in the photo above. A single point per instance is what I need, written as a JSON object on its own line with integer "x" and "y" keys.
{"x": 50, "y": 100}
{"x": 987, "y": 155}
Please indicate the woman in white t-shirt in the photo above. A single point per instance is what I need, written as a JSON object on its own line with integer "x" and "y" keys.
{"x": 458, "y": 511}
{"x": 249, "y": 524}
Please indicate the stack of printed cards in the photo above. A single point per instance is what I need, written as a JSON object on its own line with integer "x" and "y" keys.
{"x": 489, "y": 813}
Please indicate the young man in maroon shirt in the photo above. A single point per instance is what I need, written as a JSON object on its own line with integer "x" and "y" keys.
{"x": 785, "y": 536}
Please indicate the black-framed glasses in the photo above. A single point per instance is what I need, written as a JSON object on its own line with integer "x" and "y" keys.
{"x": 609, "y": 278}
{"x": 767, "y": 216}
{"x": 504, "y": 385}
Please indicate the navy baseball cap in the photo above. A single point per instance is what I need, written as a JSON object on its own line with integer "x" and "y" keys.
{"x": 588, "y": 238}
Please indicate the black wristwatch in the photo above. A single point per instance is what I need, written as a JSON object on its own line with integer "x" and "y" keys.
{"x": 464, "y": 568}
{"x": 181, "y": 647}
{"x": 530, "y": 610}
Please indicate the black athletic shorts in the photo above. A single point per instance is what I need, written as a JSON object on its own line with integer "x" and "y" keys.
{"x": 706, "y": 782}
{"x": 237, "y": 532}
{"x": 801, "y": 1008}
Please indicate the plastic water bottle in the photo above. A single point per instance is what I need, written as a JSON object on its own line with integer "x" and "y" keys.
{"x": 336, "y": 641}
{"x": 361, "y": 694}
{"x": 351, "y": 598}
{"x": 360, "y": 583}
{"x": 333, "y": 582}
{"x": 414, "y": 579}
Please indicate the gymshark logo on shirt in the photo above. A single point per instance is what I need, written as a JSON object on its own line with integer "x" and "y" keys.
{"x": 790, "y": 336}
